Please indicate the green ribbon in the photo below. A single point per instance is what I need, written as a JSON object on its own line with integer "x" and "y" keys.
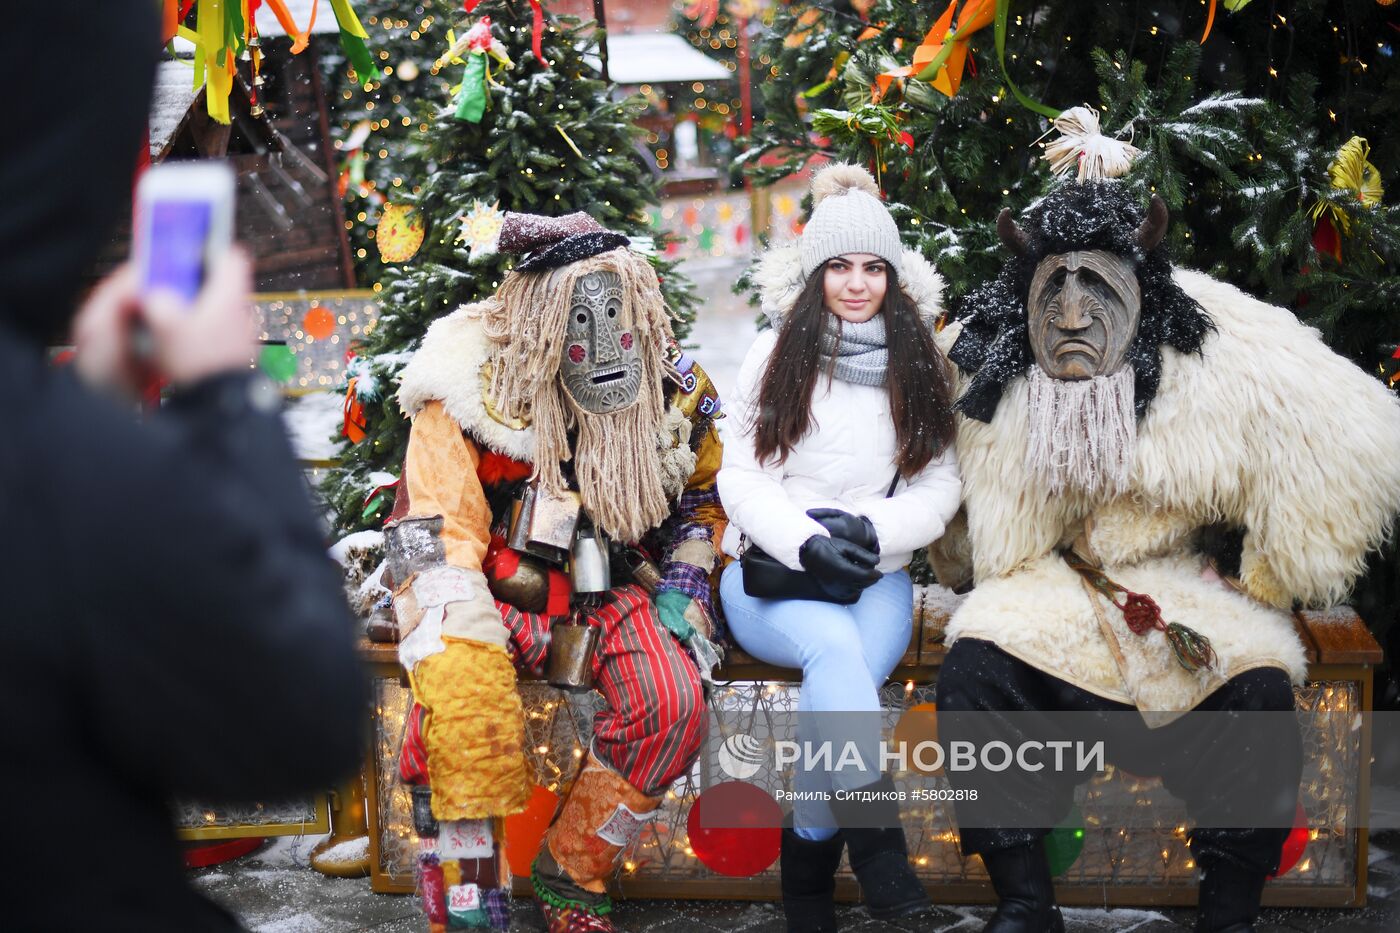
{"x": 471, "y": 100}
{"x": 1003, "y": 11}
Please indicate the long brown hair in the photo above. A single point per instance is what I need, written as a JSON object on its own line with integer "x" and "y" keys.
{"x": 918, "y": 378}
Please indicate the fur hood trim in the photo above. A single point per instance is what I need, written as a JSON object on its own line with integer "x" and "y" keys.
{"x": 780, "y": 280}
{"x": 1265, "y": 429}
{"x": 448, "y": 367}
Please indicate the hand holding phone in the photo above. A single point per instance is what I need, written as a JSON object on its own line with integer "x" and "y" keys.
{"x": 180, "y": 309}
{"x": 186, "y": 342}
{"x": 183, "y": 225}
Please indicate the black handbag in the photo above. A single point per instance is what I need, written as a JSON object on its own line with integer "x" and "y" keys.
{"x": 766, "y": 577}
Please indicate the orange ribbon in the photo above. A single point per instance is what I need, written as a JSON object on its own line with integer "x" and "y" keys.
{"x": 300, "y": 37}
{"x": 353, "y": 425}
{"x": 941, "y": 58}
{"x": 1210, "y": 21}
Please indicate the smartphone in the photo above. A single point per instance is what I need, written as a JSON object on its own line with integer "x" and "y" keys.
{"x": 183, "y": 223}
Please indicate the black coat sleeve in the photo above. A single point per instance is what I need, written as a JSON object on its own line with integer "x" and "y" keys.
{"x": 213, "y": 649}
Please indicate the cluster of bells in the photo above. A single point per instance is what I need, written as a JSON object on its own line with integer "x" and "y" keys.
{"x": 252, "y": 53}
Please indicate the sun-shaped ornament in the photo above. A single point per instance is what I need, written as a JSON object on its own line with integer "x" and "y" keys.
{"x": 481, "y": 227}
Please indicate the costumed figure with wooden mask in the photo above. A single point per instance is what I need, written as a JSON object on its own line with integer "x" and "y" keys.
{"x": 1156, "y": 468}
{"x": 557, "y": 514}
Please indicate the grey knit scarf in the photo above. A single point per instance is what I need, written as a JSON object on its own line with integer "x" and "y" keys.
{"x": 860, "y": 353}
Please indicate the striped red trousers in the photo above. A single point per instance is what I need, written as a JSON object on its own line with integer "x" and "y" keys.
{"x": 654, "y": 723}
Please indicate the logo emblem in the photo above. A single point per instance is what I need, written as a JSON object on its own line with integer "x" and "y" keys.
{"x": 741, "y": 756}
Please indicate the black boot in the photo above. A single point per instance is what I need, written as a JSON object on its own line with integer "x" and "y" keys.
{"x": 1230, "y": 896}
{"x": 1025, "y": 893}
{"x": 879, "y": 855}
{"x": 809, "y": 882}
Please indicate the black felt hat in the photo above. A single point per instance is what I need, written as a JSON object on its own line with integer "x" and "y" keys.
{"x": 550, "y": 242}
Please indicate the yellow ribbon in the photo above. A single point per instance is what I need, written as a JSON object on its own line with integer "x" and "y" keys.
{"x": 1350, "y": 171}
{"x": 941, "y": 58}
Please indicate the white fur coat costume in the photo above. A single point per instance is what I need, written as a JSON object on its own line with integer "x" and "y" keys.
{"x": 1267, "y": 430}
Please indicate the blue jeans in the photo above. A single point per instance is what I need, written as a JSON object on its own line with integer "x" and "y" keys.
{"x": 846, "y": 654}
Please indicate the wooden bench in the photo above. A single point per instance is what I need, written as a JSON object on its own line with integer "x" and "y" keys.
{"x": 1112, "y": 871}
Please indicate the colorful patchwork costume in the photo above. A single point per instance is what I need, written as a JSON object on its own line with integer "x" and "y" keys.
{"x": 566, "y": 386}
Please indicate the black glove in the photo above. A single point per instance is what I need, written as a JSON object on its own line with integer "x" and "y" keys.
{"x": 840, "y": 568}
{"x": 856, "y": 529}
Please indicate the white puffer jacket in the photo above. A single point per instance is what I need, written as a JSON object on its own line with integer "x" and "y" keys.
{"x": 847, "y": 461}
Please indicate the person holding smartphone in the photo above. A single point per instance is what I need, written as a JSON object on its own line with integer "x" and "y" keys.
{"x": 172, "y": 625}
{"x": 839, "y": 464}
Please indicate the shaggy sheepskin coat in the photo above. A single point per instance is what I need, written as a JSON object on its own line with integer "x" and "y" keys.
{"x": 1266, "y": 430}
{"x": 846, "y": 462}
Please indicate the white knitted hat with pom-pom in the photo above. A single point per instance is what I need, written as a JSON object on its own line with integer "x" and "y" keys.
{"x": 848, "y": 217}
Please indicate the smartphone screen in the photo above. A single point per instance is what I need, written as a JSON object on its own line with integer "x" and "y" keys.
{"x": 176, "y": 248}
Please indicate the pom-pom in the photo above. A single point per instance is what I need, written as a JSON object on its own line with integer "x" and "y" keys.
{"x": 840, "y": 178}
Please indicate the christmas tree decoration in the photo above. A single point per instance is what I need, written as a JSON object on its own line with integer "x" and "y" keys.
{"x": 942, "y": 55}
{"x": 1351, "y": 174}
{"x": 915, "y": 739}
{"x": 400, "y": 233}
{"x": 1082, "y": 149}
{"x": 318, "y": 323}
{"x": 278, "y": 362}
{"x": 480, "y": 228}
{"x": 1295, "y": 844}
{"x": 735, "y": 829}
{"x": 476, "y": 43}
{"x": 525, "y": 830}
{"x": 1065, "y": 842}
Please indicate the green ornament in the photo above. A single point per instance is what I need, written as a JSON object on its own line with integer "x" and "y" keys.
{"x": 706, "y": 239}
{"x": 374, "y": 504}
{"x": 471, "y": 100}
{"x": 278, "y": 361}
{"x": 1065, "y": 842}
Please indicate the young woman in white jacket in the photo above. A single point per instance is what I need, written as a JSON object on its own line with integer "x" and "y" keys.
{"x": 838, "y": 461}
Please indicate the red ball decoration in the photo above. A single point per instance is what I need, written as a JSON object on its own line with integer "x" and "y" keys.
{"x": 735, "y": 829}
{"x": 1294, "y": 845}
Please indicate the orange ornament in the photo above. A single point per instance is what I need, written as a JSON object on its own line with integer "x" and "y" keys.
{"x": 915, "y": 736}
{"x": 318, "y": 323}
{"x": 525, "y": 831}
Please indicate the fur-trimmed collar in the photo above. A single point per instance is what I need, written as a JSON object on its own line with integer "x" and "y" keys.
{"x": 780, "y": 281}
{"x": 448, "y": 367}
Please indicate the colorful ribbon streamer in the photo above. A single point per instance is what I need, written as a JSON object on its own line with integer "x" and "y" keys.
{"x": 222, "y": 29}
{"x": 941, "y": 58}
{"x": 1003, "y": 12}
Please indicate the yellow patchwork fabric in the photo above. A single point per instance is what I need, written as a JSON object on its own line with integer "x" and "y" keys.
{"x": 474, "y": 731}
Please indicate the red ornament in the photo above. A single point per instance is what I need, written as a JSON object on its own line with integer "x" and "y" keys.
{"x": 576, "y": 352}
{"x": 626, "y": 341}
{"x": 1326, "y": 240}
{"x": 735, "y": 829}
{"x": 1294, "y": 845}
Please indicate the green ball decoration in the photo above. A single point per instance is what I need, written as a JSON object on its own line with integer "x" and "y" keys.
{"x": 278, "y": 362}
{"x": 1065, "y": 842}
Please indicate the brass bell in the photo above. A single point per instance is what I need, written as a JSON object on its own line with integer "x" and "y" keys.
{"x": 571, "y": 646}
